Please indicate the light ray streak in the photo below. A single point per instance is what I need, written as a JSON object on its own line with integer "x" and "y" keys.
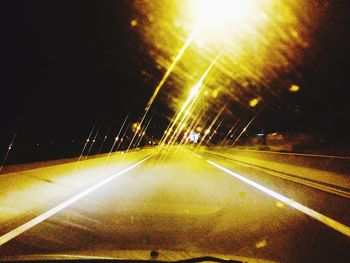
{"x": 115, "y": 140}
{"x": 9, "y": 148}
{"x": 122, "y": 138}
{"x": 245, "y": 128}
{"x": 86, "y": 143}
{"x": 105, "y": 138}
{"x": 93, "y": 141}
{"x": 212, "y": 124}
{"x": 229, "y": 132}
{"x": 214, "y": 132}
{"x": 143, "y": 132}
{"x": 170, "y": 69}
{"x": 193, "y": 96}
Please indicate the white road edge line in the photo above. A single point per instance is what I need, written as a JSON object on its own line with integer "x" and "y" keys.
{"x": 308, "y": 211}
{"x": 26, "y": 226}
{"x": 197, "y": 155}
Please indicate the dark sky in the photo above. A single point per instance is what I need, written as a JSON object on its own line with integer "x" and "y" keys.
{"x": 67, "y": 63}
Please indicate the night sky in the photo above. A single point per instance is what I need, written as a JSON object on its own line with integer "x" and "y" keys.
{"x": 66, "y": 64}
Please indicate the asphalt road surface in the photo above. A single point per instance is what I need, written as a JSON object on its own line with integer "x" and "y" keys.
{"x": 181, "y": 201}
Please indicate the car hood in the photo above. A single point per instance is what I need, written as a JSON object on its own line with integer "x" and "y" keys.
{"x": 163, "y": 255}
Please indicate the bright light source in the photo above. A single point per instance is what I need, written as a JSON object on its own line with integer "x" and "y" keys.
{"x": 294, "y": 88}
{"x": 222, "y": 20}
{"x": 133, "y": 23}
{"x": 195, "y": 90}
{"x": 253, "y": 102}
{"x": 194, "y": 136}
{"x": 214, "y": 13}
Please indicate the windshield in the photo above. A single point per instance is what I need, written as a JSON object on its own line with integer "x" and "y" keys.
{"x": 189, "y": 128}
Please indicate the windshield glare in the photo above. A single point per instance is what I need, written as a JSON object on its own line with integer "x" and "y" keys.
{"x": 171, "y": 130}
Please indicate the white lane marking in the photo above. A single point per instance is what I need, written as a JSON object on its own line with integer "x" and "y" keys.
{"x": 26, "y": 226}
{"x": 315, "y": 185}
{"x": 308, "y": 211}
{"x": 197, "y": 155}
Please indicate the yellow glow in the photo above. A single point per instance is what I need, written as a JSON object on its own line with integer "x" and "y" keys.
{"x": 225, "y": 20}
{"x": 195, "y": 90}
{"x": 170, "y": 69}
{"x": 261, "y": 244}
{"x": 253, "y": 102}
{"x": 260, "y": 39}
{"x": 215, "y": 13}
{"x": 136, "y": 127}
{"x": 133, "y": 23}
{"x": 279, "y": 204}
{"x": 257, "y": 40}
{"x": 294, "y": 88}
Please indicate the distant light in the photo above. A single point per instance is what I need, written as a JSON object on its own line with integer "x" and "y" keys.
{"x": 215, "y": 93}
{"x": 294, "y": 88}
{"x": 116, "y": 138}
{"x": 105, "y": 137}
{"x": 133, "y": 23}
{"x": 253, "y": 102}
{"x": 194, "y": 136}
{"x": 261, "y": 244}
{"x": 295, "y": 34}
{"x": 207, "y": 131}
{"x": 87, "y": 140}
{"x": 260, "y": 134}
{"x": 93, "y": 140}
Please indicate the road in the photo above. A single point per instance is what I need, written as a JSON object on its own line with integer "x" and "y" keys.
{"x": 184, "y": 201}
